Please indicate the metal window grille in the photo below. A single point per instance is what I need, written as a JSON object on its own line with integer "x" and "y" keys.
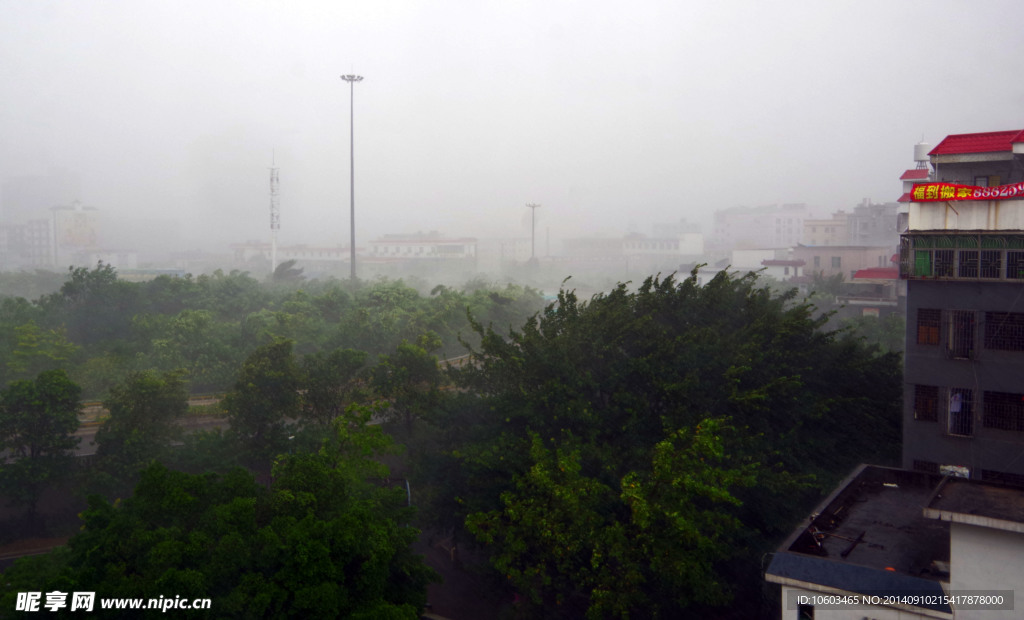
{"x": 991, "y": 264}
{"x": 944, "y": 263}
{"x": 926, "y": 403}
{"x": 968, "y": 267}
{"x": 929, "y": 322}
{"x": 1004, "y": 331}
{"x": 930, "y": 467}
{"x": 1003, "y": 410}
{"x": 1015, "y": 265}
{"x": 1002, "y": 477}
{"x": 960, "y": 411}
{"x": 961, "y": 334}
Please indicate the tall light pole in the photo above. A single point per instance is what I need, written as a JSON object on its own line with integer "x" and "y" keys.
{"x": 352, "y": 79}
{"x": 533, "y": 229}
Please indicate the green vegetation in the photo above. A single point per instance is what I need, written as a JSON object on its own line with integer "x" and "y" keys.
{"x": 323, "y": 541}
{"x": 632, "y": 455}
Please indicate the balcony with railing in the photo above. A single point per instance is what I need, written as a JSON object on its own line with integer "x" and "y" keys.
{"x": 962, "y": 255}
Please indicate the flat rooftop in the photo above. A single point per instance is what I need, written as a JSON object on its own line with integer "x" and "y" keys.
{"x": 978, "y": 503}
{"x": 870, "y": 536}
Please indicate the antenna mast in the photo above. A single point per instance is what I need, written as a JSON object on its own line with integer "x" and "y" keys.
{"x": 275, "y": 215}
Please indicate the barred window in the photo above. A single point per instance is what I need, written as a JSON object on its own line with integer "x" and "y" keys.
{"x": 961, "y": 412}
{"x": 961, "y": 334}
{"x": 1015, "y": 265}
{"x": 1004, "y": 331}
{"x": 944, "y": 263}
{"x": 930, "y": 467}
{"x": 968, "y": 267}
{"x": 928, "y": 322}
{"x": 991, "y": 264}
{"x": 1004, "y": 410}
{"x": 926, "y": 403}
{"x": 1002, "y": 477}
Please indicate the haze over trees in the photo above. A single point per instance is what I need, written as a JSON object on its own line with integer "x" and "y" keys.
{"x": 630, "y": 455}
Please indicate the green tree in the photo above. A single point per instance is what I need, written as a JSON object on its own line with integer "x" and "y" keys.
{"x": 265, "y": 401}
{"x": 326, "y": 540}
{"x": 410, "y": 378}
{"x": 37, "y": 422}
{"x": 332, "y": 382}
{"x": 38, "y": 349}
{"x": 141, "y": 427}
{"x": 627, "y": 382}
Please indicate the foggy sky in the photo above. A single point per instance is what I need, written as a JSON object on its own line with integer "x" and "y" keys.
{"x": 612, "y": 116}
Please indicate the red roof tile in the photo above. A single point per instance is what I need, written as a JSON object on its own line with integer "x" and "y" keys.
{"x": 877, "y": 273}
{"x": 905, "y": 198}
{"x": 918, "y": 174}
{"x": 991, "y": 142}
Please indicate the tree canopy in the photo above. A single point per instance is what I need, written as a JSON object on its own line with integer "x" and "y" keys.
{"x": 647, "y": 416}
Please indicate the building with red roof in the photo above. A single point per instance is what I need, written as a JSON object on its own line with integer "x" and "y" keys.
{"x": 962, "y": 260}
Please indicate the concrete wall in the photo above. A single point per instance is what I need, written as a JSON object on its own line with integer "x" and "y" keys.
{"x": 982, "y": 559}
{"x": 992, "y": 370}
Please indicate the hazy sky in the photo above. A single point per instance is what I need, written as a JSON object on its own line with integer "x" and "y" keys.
{"x": 613, "y": 116}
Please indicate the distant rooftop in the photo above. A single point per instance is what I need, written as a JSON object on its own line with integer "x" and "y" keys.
{"x": 990, "y": 142}
{"x": 917, "y": 174}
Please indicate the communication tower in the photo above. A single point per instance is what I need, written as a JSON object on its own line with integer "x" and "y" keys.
{"x": 275, "y": 216}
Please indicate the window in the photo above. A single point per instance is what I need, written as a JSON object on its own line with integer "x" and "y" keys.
{"x": 1001, "y": 477}
{"x": 961, "y": 412}
{"x": 930, "y": 467}
{"x": 961, "y": 334}
{"x": 805, "y": 612}
{"x": 1004, "y": 331}
{"x": 944, "y": 263}
{"x": 837, "y": 262}
{"x": 1015, "y": 265}
{"x": 991, "y": 264}
{"x": 1004, "y": 411}
{"x": 817, "y": 261}
{"x": 968, "y": 267}
{"x": 926, "y": 403}
{"x": 928, "y": 322}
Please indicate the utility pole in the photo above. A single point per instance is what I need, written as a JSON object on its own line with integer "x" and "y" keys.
{"x": 352, "y": 79}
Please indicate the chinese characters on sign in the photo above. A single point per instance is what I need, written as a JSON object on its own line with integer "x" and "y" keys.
{"x": 940, "y": 192}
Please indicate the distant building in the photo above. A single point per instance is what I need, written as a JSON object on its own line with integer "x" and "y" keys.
{"x": 422, "y": 246}
{"x": 775, "y": 226}
{"x": 830, "y": 231}
{"x": 842, "y": 259}
{"x": 636, "y": 252}
{"x": 872, "y": 225}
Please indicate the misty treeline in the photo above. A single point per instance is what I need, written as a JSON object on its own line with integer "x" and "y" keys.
{"x": 99, "y": 328}
{"x": 631, "y": 455}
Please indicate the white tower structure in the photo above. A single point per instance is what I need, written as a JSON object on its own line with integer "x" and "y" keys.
{"x": 275, "y": 216}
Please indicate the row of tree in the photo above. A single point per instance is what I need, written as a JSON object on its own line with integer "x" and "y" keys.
{"x": 99, "y": 327}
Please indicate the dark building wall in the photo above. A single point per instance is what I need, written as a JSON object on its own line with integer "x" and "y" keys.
{"x": 986, "y": 369}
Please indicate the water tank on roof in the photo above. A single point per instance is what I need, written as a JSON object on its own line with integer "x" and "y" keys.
{"x": 921, "y": 151}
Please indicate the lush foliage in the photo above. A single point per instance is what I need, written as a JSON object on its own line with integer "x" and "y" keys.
{"x": 325, "y": 540}
{"x": 37, "y": 419}
{"x": 643, "y": 416}
{"x": 100, "y": 328}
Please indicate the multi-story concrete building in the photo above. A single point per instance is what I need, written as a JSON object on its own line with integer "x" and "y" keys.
{"x": 962, "y": 258}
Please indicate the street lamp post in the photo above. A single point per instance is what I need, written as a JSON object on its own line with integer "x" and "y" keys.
{"x": 533, "y": 229}
{"x": 352, "y": 79}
